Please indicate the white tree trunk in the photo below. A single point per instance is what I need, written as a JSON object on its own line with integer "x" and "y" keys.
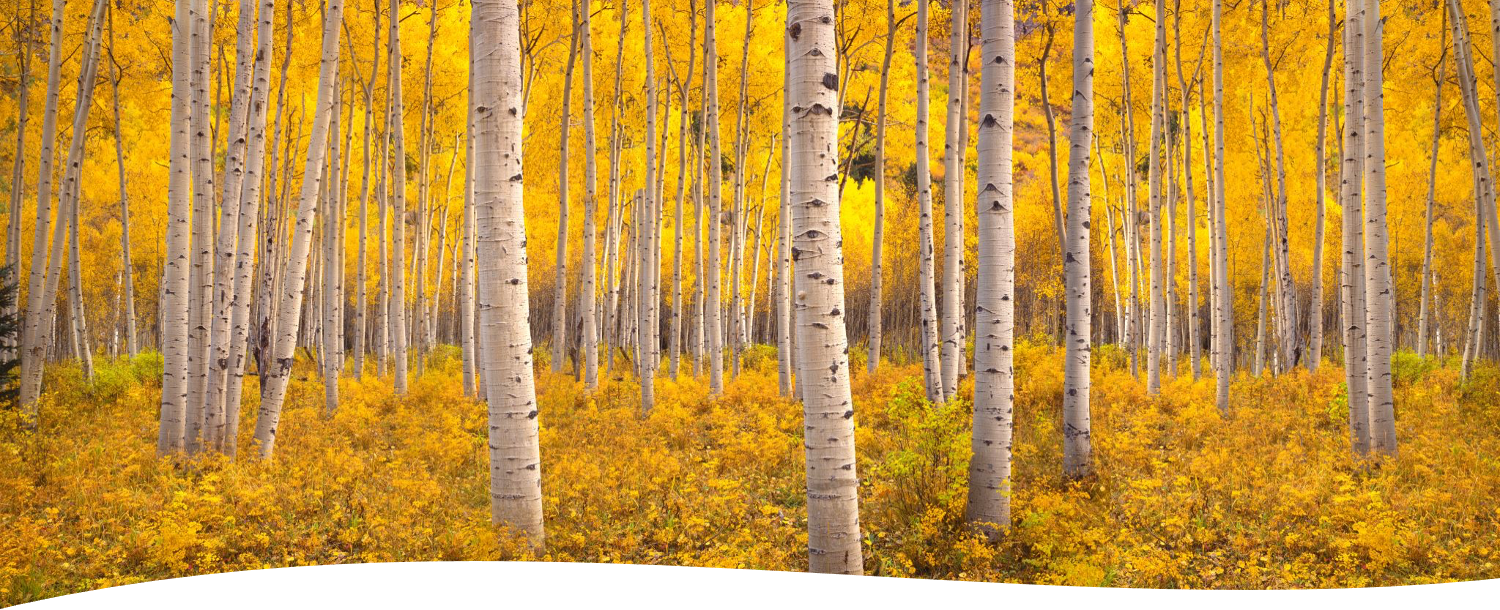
{"x": 1156, "y": 335}
{"x": 1077, "y": 448}
{"x": 828, "y": 406}
{"x": 127, "y": 271}
{"x": 275, "y": 379}
{"x": 560, "y": 282}
{"x": 1223, "y": 305}
{"x": 932, "y": 365}
{"x": 589, "y": 340}
{"x": 953, "y": 203}
{"x": 1378, "y": 283}
{"x": 397, "y": 291}
{"x": 994, "y": 328}
{"x": 1315, "y": 308}
{"x": 647, "y": 231}
{"x": 713, "y": 307}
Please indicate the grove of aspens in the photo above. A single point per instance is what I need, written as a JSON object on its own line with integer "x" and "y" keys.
{"x": 1131, "y": 293}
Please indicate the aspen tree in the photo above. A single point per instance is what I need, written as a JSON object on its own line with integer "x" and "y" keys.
{"x": 739, "y": 212}
{"x": 1057, "y": 211}
{"x": 362, "y": 305}
{"x": 127, "y": 272}
{"x": 273, "y": 392}
{"x": 1378, "y": 283}
{"x": 24, "y": 50}
{"x": 33, "y": 339}
{"x": 222, "y": 295}
{"x": 175, "y": 272}
{"x": 714, "y": 304}
{"x": 1077, "y": 451}
{"x": 647, "y": 231}
{"x": 1315, "y": 308}
{"x": 515, "y": 474}
{"x": 201, "y": 287}
{"x": 932, "y": 366}
{"x": 1192, "y": 213}
{"x": 1286, "y": 306}
{"x": 249, "y": 216}
{"x": 1437, "y": 132}
{"x": 951, "y": 325}
{"x": 1156, "y": 334}
{"x": 42, "y": 306}
{"x": 994, "y": 328}
{"x": 785, "y": 358}
{"x": 329, "y": 348}
{"x": 1353, "y": 282}
{"x": 1224, "y": 341}
{"x": 675, "y": 342}
{"x": 876, "y": 271}
{"x": 587, "y": 298}
{"x": 397, "y": 291}
{"x": 560, "y": 283}
{"x": 828, "y": 407}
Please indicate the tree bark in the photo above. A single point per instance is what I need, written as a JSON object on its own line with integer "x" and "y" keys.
{"x": 1378, "y": 283}
{"x": 273, "y": 392}
{"x": 953, "y": 338}
{"x": 1077, "y": 451}
{"x": 714, "y": 306}
{"x": 932, "y": 364}
{"x": 127, "y": 271}
{"x": 1224, "y": 341}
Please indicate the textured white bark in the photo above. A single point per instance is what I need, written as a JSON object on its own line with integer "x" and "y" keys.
{"x": 932, "y": 365}
{"x": 952, "y": 333}
{"x": 1437, "y": 132}
{"x": 175, "y": 272}
{"x": 1194, "y": 351}
{"x": 1286, "y": 305}
{"x": 714, "y": 305}
{"x": 1223, "y": 305}
{"x": 41, "y": 301}
{"x": 274, "y": 380}
{"x": 683, "y": 82}
{"x": 994, "y": 327}
{"x": 127, "y": 272}
{"x": 1378, "y": 284}
{"x": 1077, "y": 448}
{"x": 249, "y": 217}
{"x": 1315, "y": 308}
{"x": 649, "y": 339}
{"x": 560, "y": 280}
{"x": 1156, "y": 341}
{"x": 784, "y": 327}
{"x": 589, "y": 340}
{"x": 876, "y": 319}
{"x": 397, "y": 291}
{"x": 1352, "y": 286}
{"x": 24, "y": 51}
{"x": 201, "y": 285}
{"x": 362, "y": 306}
{"x": 331, "y": 343}
{"x": 817, "y": 247}
{"x": 504, "y": 310}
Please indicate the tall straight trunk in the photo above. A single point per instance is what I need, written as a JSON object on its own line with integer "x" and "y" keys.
{"x": 469, "y": 285}
{"x": 1223, "y": 305}
{"x": 1437, "y": 132}
{"x": 1315, "y": 308}
{"x": 249, "y": 202}
{"x": 994, "y": 328}
{"x": 226, "y": 253}
{"x": 1156, "y": 335}
{"x": 675, "y": 346}
{"x": 201, "y": 286}
{"x": 714, "y": 305}
{"x": 1169, "y": 217}
{"x": 1378, "y": 283}
{"x": 332, "y": 341}
{"x": 83, "y": 347}
{"x": 127, "y": 271}
{"x": 877, "y": 278}
{"x": 1195, "y": 352}
{"x": 362, "y": 305}
{"x": 828, "y": 407}
{"x": 1077, "y": 448}
{"x": 1478, "y": 295}
{"x": 953, "y": 203}
{"x": 174, "y": 280}
{"x": 1286, "y": 305}
{"x": 397, "y": 290}
{"x": 932, "y": 364}
{"x": 273, "y": 393}
{"x": 1491, "y": 221}
{"x": 586, "y": 296}
{"x": 1353, "y": 284}
{"x": 560, "y": 283}
{"x": 785, "y": 357}
{"x": 647, "y": 231}
{"x": 12, "y": 270}
{"x": 42, "y": 302}
{"x": 515, "y": 473}
{"x": 739, "y": 213}
{"x": 1133, "y": 327}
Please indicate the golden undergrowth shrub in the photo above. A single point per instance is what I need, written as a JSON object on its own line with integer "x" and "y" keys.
{"x": 1268, "y": 498}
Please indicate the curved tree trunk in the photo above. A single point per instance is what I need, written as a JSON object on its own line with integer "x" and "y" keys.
{"x": 273, "y": 392}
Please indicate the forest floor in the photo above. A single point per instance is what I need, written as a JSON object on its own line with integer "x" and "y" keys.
{"x": 1269, "y": 498}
